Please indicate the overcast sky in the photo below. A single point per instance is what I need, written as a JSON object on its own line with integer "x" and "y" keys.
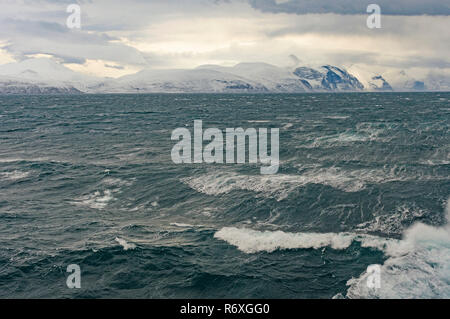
{"x": 122, "y": 37}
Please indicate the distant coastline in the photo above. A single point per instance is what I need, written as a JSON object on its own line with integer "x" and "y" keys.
{"x": 46, "y": 76}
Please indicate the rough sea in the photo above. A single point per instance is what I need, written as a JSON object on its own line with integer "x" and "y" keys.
{"x": 364, "y": 180}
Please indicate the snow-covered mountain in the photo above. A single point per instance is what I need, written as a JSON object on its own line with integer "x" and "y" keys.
{"x": 328, "y": 78}
{"x": 42, "y": 76}
{"x": 37, "y": 76}
{"x": 243, "y": 77}
{"x": 272, "y": 78}
{"x": 12, "y": 85}
{"x": 378, "y": 83}
{"x": 181, "y": 81}
{"x": 401, "y": 81}
{"x": 41, "y": 69}
{"x": 372, "y": 80}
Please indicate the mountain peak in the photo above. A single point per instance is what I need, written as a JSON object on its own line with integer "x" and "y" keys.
{"x": 243, "y": 77}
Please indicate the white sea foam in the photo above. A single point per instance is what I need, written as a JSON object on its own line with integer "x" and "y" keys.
{"x": 11, "y": 160}
{"x": 224, "y": 182}
{"x": 97, "y": 200}
{"x": 154, "y": 204}
{"x": 275, "y": 186}
{"x": 258, "y": 121}
{"x": 343, "y": 139}
{"x": 337, "y": 117}
{"x": 118, "y": 182}
{"x": 125, "y": 244}
{"x": 253, "y": 241}
{"x": 435, "y": 162}
{"x": 440, "y": 157}
{"x": 281, "y": 185}
{"x": 418, "y": 267}
{"x": 14, "y": 175}
{"x": 394, "y": 223}
{"x": 36, "y": 159}
{"x": 102, "y": 197}
{"x": 363, "y": 132}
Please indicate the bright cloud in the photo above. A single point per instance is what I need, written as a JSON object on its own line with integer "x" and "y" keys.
{"x": 119, "y": 38}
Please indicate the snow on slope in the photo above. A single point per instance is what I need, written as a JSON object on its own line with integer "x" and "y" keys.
{"x": 372, "y": 81}
{"x": 179, "y": 81}
{"x": 378, "y": 83}
{"x": 376, "y": 79}
{"x": 42, "y": 75}
{"x": 401, "y": 81}
{"x": 13, "y": 85}
{"x": 273, "y": 78}
{"x": 46, "y": 75}
{"x": 329, "y": 78}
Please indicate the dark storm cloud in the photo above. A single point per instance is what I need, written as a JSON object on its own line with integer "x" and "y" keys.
{"x": 389, "y": 7}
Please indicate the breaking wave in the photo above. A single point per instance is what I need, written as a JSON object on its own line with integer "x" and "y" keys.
{"x": 125, "y": 244}
{"x": 396, "y": 223}
{"x": 96, "y": 200}
{"x": 101, "y": 198}
{"x": 253, "y": 241}
{"x": 363, "y": 132}
{"x": 417, "y": 266}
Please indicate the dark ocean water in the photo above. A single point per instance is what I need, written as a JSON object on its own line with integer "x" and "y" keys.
{"x": 88, "y": 180}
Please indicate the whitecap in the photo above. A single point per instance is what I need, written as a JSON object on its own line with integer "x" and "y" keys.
{"x": 258, "y": 121}
{"x": 363, "y": 132}
{"x": 418, "y": 266}
{"x": 125, "y": 244}
{"x": 253, "y": 241}
{"x": 394, "y": 223}
{"x": 31, "y": 160}
{"x": 279, "y": 186}
{"x": 154, "y": 204}
{"x": 337, "y": 117}
{"x": 274, "y": 186}
{"x": 97, "y": 200}
{"x": 14, "y": 175}
{"x": 118, "y": 182}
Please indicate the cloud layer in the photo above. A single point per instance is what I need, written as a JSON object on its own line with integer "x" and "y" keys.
{"x": 118, "y": 38}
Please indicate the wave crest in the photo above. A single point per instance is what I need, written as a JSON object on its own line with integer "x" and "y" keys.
{"x": 418, "y": 267}
{"x": 253, "y": 241}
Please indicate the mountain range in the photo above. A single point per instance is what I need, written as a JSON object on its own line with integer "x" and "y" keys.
{"x": 46, "y": 76}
